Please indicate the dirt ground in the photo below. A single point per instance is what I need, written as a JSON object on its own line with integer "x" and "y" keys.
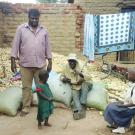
{"x": 62, "y": 124}
{"x": 62, "y": 120}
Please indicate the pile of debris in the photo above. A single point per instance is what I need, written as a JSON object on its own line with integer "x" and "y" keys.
{"x": 115, "y": 86}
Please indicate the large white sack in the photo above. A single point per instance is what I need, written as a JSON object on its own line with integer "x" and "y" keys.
{"x": 98, "y": 97}
{"x": 61, "y": 91}
{"x": 10, "y": 100}
{"x": 56, "y": 104}
{"x": 34, "y": 99}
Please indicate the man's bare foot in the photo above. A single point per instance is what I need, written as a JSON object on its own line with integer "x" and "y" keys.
{"x": 22, "y": 114}
{"x": 47, "y": 124}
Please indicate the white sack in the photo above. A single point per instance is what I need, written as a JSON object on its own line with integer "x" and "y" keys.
{"x": 10, "y": 100}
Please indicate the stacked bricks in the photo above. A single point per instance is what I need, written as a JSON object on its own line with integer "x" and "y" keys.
{"x": 79, "y": 28}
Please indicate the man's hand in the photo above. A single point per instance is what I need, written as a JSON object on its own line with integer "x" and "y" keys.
{"x": 119, "y": 104}
{"x": 13, "y": 65}
{"x": 79, "y": 73}
{"x": 50, "y": 99}
{"x": 66, "y": 80}
{"x": 79, "y": 82}
{"x": 49, "y": 67}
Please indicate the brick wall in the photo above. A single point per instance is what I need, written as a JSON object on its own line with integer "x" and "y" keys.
{"x": 63, "y": 21}
{"x": 104, "y": 6}
{"x": 1, "y": 28}
{"x": 99, "y": 6}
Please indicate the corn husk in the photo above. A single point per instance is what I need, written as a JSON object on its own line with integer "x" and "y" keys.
{"x": 115, "y": 86}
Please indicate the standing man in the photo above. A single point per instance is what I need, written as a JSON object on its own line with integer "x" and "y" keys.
{"x": 31, "y": 45}
{"x": 72, "y": 75}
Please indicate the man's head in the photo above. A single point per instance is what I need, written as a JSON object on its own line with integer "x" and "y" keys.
{"x": 72, "y": 60}
{"x": 33, "y": 16}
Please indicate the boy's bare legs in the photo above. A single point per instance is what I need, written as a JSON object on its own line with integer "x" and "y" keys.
{"x": 46, "y": 122}
{"x": 39, "y": 125}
